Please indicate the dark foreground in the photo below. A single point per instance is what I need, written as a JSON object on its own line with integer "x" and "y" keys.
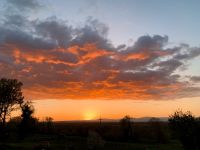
{"x": 78, "y": 143}
{"x": 93, "y": 135}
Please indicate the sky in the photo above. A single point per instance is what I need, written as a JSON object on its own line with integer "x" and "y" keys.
{"x": 82, "y": 59}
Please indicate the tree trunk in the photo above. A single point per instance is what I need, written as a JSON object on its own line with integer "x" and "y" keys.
{"x": 4, "y": 120}
{"x": 3, "y": 127}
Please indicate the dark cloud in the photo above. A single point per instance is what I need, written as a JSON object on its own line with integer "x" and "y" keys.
{"x": 195, "y": 78}
{"x": 93, "y": 32}
{"x": 155, "y": 42}
{"x": 15, "y": 21}
{"x": 56, "y": 60}
{"x": 188, "y": 54}
{"x": 55, "y": 30}
{"x": 169, "y": 66}
{"x": 24, "y": 4}
{"x": 23, "y": 40}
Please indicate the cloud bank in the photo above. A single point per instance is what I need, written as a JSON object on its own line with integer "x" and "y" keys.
{"x": 55, "y": 60}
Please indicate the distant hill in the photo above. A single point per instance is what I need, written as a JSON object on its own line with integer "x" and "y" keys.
{"x": 142, "y": 119}
{"x": 146, "y": 119}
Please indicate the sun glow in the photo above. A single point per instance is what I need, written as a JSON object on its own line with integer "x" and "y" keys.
{"x": 89, "y": 115}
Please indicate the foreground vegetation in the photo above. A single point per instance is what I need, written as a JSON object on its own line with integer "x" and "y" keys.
{"x": 80, "y": 143}
{"x": 91, "y": 135}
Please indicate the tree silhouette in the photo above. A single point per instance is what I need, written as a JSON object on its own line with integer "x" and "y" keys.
{"x": 10, "y": 98}
{"x": 28, "y": 121}
{"x": 126, "y": 127}
{"x": 184, "y": 126}
{"x": 27, "y": 110}
{"x": 48, "y": 125}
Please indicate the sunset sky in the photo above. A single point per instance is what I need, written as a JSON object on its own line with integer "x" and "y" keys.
{"x": 82, "y": 59}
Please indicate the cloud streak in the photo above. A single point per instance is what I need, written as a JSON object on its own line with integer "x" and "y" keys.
{"x": 57, "y": 61}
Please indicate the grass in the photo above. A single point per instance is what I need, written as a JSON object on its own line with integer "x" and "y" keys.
{"x": 79, "y": 143}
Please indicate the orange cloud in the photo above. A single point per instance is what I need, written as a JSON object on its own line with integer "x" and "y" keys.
{"x": 139, "y": 56}
{"x": 89, "y": 71}
{"x": 29, "y": 57}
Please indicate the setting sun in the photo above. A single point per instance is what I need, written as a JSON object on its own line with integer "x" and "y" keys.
{"x": 89, "y": 115}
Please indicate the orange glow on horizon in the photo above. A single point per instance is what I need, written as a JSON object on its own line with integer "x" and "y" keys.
{"x": 113, "y": 109}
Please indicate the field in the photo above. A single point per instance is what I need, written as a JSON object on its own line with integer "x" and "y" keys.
{"x": 74, "y": 136}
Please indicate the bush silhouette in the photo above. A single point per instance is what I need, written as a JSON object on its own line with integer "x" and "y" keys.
{"x": 126, "y": 127}
{"x": 185, "y": 126}
{"x": 47, "y": 125}
{"x": 28, "y": 122}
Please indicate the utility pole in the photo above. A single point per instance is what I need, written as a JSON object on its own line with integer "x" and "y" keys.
{"x": 100, "y": 120}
